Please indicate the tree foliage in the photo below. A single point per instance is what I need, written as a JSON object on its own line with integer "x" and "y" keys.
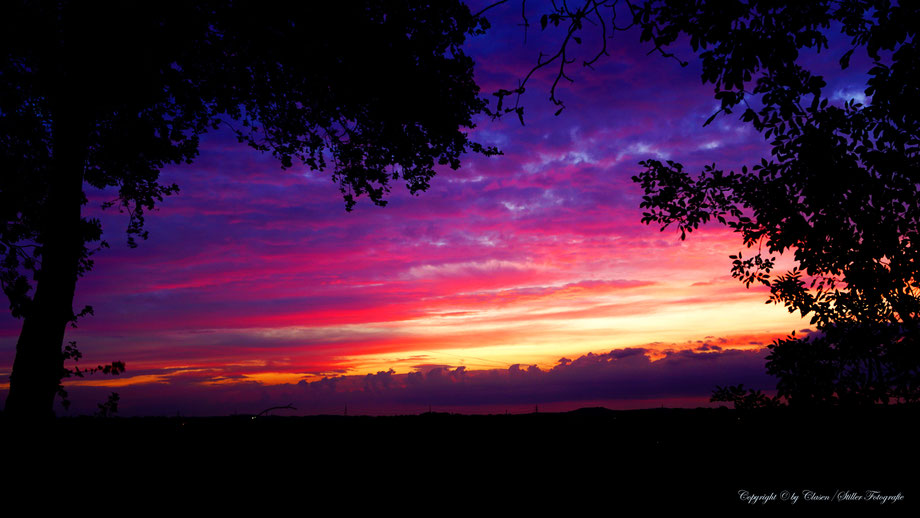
{"x": 105, "y": 94}
{"x": 838, "y": 192}
{"x": 744, "y": 400}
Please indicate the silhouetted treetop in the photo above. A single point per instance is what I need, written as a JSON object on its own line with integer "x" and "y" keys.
{"x": 105, "y": 94}
{"x": 838, "y": 191}
{"x": 840, "y": 186}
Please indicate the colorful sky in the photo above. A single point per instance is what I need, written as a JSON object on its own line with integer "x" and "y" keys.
{"x": 519, "y": 280}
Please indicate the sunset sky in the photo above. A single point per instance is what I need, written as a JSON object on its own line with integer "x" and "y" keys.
{"x": 518, "y": 280}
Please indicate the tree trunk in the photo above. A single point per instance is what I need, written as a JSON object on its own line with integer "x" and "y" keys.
{"x": 39, "y": 363}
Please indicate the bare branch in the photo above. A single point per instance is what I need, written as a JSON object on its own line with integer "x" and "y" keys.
{"x": 289, "y": 406}
{"x": 496, "y": 4}
{"x": 561, "y": 13}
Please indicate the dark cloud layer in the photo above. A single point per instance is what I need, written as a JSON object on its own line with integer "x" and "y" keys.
{"x": 620, "y": 378}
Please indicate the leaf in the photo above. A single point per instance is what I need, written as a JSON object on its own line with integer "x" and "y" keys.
{"x": 845, "y": 59}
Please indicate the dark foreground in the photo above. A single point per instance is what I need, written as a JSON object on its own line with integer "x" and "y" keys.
{"x": 566, "y": 461}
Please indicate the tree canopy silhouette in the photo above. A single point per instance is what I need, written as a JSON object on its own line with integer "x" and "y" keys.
{"x": 838, "y": 192}
{"x": 104, "y": 94}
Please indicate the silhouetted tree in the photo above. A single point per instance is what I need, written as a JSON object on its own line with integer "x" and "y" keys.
{"x": 110, "y": 407}
{"x": 104, "y": 94}
{"x": 839, "y": 192}
{"x": 742, "y": 399}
